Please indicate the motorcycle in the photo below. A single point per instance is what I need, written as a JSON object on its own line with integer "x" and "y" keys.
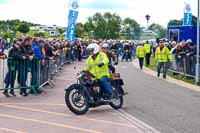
{"x": 127, "y": 56}
{"x": 115, "y": 56}
{"x": 88, "y": 93}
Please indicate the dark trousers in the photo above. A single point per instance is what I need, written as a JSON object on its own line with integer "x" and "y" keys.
{"x": 23, "y": 74}
{"x": 34, "y": 69}
{"x": 10, "y": 78}
{"x": 112, "y": 68}
{"x": 147, "y": 59}
{"x": 141, "y": 62}
{"x": 126, "y": 56}
{"x": 79, "y": 56}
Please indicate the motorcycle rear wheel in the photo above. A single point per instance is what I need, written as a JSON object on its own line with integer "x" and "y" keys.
{"x": 117, "y": 103}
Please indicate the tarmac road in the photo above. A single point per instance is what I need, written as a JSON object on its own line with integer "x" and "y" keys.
{"x": 151, "y": 104}
{"x": 165, "y": 106}
{"x": 48, "y": 113}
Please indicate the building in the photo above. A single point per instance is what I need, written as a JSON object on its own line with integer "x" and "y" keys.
{"x": 148, "y": 33}
{"x": 52, "y": 30}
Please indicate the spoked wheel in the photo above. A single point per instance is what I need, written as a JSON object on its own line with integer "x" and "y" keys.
{"x": 117, "y": 102}
{"x": 76, "y": 100}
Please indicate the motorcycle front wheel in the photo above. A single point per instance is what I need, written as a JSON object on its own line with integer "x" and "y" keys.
{"x": 76, "y": 100}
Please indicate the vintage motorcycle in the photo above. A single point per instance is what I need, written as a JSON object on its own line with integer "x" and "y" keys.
{"x": 88, "y": 93}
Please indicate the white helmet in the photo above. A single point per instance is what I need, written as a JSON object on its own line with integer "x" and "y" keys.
{"x": 95, "y": 47}
{"x": 189, "y": 41}
{"x": 105, "y": 45}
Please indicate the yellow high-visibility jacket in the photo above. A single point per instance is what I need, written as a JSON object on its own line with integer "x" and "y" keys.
{"x": 163, "y": 55}
{"x": 147, "y": 48}
{"x": 98, "y": 72}
{"x": 140, "y": 52}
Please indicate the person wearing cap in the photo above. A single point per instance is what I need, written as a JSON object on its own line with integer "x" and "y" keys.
{"x": 163, "y": 57}
{"x": 140, "y": 53}
{"x": 147, "y": 48}
{"x": 105, "y": 49}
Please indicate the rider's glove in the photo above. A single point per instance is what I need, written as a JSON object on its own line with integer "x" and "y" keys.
{"x": 100, "y": 64}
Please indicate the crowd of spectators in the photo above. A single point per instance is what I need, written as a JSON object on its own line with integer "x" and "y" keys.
{"x": 184, "y": 56}
{"x": 25, "y": 49}
{"x": 24, "y": 53}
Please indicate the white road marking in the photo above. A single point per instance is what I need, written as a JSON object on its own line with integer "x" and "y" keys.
{"x": 136, "y": 122}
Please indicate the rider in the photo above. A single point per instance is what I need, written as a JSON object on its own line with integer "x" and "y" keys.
{"x": 126, "y": 52}
{"x": 97, "y": 64}
{"x": 105, "y": 49}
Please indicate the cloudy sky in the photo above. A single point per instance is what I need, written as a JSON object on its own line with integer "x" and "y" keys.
{"x": 51, "y": 12}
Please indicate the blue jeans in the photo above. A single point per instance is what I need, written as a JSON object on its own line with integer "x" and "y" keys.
{"x": 104, "y": 82}
{"x": 163, "y": 65}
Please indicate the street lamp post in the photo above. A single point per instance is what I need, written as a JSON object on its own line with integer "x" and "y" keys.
{"x": 147, "y": 18}
{"x": 91, "y": 34}
{"x": 197, "y": 65}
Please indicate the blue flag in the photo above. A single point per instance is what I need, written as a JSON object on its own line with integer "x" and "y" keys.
{"x": 187, "y": 15}
{"x": 72, "y": 18}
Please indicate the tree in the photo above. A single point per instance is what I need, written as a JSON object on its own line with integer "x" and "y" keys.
{"x": 88, "y": 26}
{"x": 180, "y": 22}
{"x": 79, "y": 30}
{"x": 61, "y": 31}
{"x": 99, "y": 25}
{"x": 175, "y": 22}
{"x": 23, "y": 28}
{"x": 159, "y": 30}
{"x": 131, "y": 29}
{"x": 194, "y": 20}
{"x": 113, "y": 27}
{"x": 106, "y": 26}
{"x": 39, "y": 34}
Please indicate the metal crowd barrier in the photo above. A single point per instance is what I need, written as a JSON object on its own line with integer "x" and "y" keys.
{"x": 51, "y": 69}
{"x": 19, "y": 74}
{"x": 184, "y": 65}
{"x": 46, "y": 71}
{"x": 32, "y": 75}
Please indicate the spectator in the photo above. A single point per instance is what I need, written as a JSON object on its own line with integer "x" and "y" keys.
{"x": 49, "y": 52}
{"x": 37, "y": 46}
{"x": 174, "y": 54}
{"x": 27, "y": 51}
{"x": 2, "y": 49}
{"x": 14, "y": 55}
{"x": 191, "y": 58}
{"x": 79, "y": 51}
{"x": 40, "y": 53}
